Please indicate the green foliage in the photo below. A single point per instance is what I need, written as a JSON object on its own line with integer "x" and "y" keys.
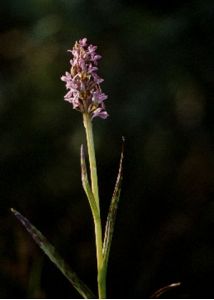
{"x": 111, "y": 218}
{"x": 52, "y": 254}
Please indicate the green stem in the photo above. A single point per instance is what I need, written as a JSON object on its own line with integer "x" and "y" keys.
{"x": 101, "y": 278}
{"x": 92, "y": 159}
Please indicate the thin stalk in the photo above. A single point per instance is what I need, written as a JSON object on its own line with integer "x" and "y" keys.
{"x": 92, "y": 159}
{"x": 96, "y": 214}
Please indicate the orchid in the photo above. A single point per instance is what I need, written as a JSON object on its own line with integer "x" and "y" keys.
{"x": 83, "y": 82}
{"x": 86, "y": 96}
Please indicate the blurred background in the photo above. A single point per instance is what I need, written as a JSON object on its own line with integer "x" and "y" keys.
{"x": 158, "y": 66}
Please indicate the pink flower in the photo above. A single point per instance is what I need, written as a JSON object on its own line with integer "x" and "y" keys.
{"x": 83, "y": 82}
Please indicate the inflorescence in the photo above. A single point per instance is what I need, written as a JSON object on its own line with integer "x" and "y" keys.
{"x": 83, "y": 81}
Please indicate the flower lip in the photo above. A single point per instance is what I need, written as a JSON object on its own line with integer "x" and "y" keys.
{"x": 99, "y": 112}
{"x": 83, "y": 82}
{"x": 99, "y": 97}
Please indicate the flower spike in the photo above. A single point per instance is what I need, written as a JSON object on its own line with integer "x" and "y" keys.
{"x": 83, "y": 82}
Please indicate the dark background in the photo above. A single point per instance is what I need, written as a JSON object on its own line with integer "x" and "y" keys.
{"x": 158, "y": 60}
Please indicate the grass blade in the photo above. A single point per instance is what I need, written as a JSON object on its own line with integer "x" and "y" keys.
{"x": 50, "y": 251}
{"x": 109, "y": 228}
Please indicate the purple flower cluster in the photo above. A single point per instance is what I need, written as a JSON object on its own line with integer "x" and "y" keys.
{"x": 83, "y": 82}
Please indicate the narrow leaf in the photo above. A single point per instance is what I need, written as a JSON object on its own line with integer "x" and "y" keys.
{"x": 85, "y": 183}
{"x": 164, "y": 289}
{"x": 50, "y": 251}
{"x": 109, "y": 228}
